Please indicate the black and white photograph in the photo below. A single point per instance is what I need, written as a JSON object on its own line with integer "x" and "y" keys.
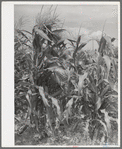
{"x": 66, "y": 74}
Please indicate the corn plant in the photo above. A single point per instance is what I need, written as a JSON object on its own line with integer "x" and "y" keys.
{"x": 33, "y": 78}
{"x": 96, "y": 97}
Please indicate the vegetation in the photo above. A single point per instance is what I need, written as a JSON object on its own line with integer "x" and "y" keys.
{"x": 64, "y": 95}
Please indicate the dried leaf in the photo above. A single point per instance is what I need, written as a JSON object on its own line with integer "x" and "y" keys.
{"x": 41, "y": 91}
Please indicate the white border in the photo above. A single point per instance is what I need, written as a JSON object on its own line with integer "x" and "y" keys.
{"x": 64, "y": 3}
{"x": 119, "y": 104}
{"x": 8, "y": 68}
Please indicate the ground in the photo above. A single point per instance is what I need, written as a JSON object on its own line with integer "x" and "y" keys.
{"x": 65, "y": 137}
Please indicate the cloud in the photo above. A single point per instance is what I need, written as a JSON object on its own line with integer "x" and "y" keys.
{"x": 75, "y": 31}
{"x": 92, "y": 17}
{"x": 96, "y": 35}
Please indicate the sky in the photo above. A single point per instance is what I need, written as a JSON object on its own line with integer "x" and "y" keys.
{"x": 91, "y": 18}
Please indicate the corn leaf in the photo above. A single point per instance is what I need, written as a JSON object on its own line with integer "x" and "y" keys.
{"x": 19, "y": 31}
{"x": 81, "y": 81}
{"x": 98, "y": 103}
{"x": 23, "y": 83}
{"x": 92, "y": 84}
{"x": 92, "y": 87}
{"x": 113, "y": 85}
{"x": 107, "y": 120}
{"x": 55, "y": 102}
{"x": 78, "y": 40}
{"x": 114, "y": 68}
{"x": 104, "y": 91}
{"x": 60, "y": 41}
{"x": 68, "y": 110}
{"x": 42, "y": 34}
{"x": 108, "y": 64}
{"x": 76, "y": 49}
{"x": 111, "y": 106}
{"x": 41, "y": 91}
{"x": 55, "y": 38}
{"x": 81, "y": 46}
{"x": 109, "y": 43}
{"x": 29, "y": 101}
{"x": 100, "y": 60}
{"x": 71, "y": 40}
{"x": 26, "y": 32}
{"x": 104, "y": 126}
{"x": 51, "y": 117}
{"x": 102, "y": 45}
{"x": 29, "y": 92}
{"x": 58, "y": 31}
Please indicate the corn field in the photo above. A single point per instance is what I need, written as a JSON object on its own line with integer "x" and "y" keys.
{"x": 65, "y": 94}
